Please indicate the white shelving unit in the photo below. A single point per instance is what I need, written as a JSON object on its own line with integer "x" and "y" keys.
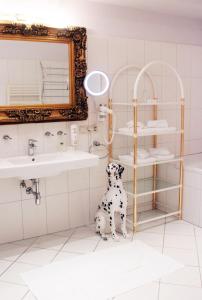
{"x": 137, "y": 188}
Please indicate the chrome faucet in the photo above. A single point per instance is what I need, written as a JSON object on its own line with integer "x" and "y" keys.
{"x": 31, "y": 147}
{"x": 6, "y": 137}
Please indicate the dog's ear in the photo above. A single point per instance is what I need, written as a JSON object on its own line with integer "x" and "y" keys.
{"x": 121, "y": 169}
{"x": 108, "y": 170}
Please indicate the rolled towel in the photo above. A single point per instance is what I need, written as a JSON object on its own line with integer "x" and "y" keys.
{"x": 159, "y": 151}
{"x": 157, "y": 124}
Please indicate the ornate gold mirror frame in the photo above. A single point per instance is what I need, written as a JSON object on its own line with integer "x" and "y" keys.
{"x": 77, "y": 110}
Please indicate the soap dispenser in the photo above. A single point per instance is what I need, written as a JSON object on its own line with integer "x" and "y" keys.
{"x": 74, "y": 135}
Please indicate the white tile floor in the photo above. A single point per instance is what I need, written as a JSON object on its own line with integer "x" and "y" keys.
{"x": 178, "y": 239}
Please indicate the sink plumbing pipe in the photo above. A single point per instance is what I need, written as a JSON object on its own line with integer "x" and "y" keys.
{"x": 33, "y": 189}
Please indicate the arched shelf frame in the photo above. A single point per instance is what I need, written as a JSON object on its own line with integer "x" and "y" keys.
{"x": 125, "y": 68}
{"x": 144, "y": 70}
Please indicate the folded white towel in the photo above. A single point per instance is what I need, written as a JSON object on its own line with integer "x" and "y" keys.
{"x": 130, "y": 124}
{"x": 157, "y": 124}
{"x": 159, "y": 151}
{"x": 129, "y": 159}
{"x": 147, "y": 131}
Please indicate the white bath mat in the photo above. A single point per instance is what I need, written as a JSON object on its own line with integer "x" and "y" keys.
{"x": 100, "y": 275}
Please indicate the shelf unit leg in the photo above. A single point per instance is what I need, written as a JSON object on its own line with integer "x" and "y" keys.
{"x": 110, "y": 130}
{"x": 181, "y": 156}
{"x": 154, "y": 196}
{"x": 135, "y": 113}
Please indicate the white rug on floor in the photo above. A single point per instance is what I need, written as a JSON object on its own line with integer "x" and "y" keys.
{"x": 100, "y": 275}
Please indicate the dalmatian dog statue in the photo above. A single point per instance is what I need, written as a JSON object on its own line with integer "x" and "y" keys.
{"x": 113, "y": 201}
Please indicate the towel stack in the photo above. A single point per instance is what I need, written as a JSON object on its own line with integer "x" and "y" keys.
{"x": 161, "y": 153}
{"x": 157, "y": 124}
{"x": 152, "y": 127}
{"x": 144, "y": 156}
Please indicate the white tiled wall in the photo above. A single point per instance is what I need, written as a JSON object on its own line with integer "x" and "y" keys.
{"x": 70, "y": 199}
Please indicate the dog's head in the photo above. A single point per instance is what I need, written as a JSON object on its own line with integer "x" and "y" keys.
{"x": 114, "y": 170}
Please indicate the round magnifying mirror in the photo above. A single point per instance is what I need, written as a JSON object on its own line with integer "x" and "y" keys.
{"x": 96, "y": 83}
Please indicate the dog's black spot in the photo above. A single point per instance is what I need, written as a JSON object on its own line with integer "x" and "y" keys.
{"x": 110, "y": 223}
{"x": 116, "y": 195}
{"x": 122, "y": 216}
{"x": 105, "y": 209}
{"x": 120, "y": 191}
{"x": 98, "y": 227}
{"x": 117, "y": 186}
{"x": 99, "y": 207}
{"x": 110, "y": 218}
{"x": 121, "y": 206}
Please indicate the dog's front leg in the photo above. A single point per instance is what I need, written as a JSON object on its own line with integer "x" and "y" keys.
{"x": 123, "y": 225}
{"x": 112, "y": 226}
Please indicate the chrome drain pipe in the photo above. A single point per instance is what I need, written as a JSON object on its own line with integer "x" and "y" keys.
{"x": 33, "y": 189}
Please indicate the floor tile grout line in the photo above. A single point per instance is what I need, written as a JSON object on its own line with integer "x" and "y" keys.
{"x": 16, "y": 260}
{"x": 181, "y": 285}
{"x": 63, "y": 245}
{"x": 14, "y": 283}
{"x": 24, "y": 286}
{"x": 24, "y": 263}
{"x": 25, "y": 295}
{"x": 200, "y": 272}
{"x": 189, "y": 249}
{"x": 97, "y": 244}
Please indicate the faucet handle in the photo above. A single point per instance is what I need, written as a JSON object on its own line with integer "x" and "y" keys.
{"x": 60, "y": 132}
{"x": 48, "y": 133}
{"x": 6, "y": 137}
{"x": 32, "y": 141}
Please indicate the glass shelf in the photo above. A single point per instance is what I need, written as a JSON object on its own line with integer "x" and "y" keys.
{"x": 140, "y": 134}
{"x": 160, "y": 162}
{"x": 149, "y": 103}
{"x": 145, "y": 186}
{"x": 150, "y": 216}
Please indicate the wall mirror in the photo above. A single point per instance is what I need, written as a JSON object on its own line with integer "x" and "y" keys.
{"x": 42, "y": 72}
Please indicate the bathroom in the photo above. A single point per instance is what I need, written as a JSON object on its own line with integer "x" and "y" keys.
{"x": 48, "y": 223}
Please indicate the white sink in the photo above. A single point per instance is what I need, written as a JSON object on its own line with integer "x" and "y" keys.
{"x": 45, "y": 165}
